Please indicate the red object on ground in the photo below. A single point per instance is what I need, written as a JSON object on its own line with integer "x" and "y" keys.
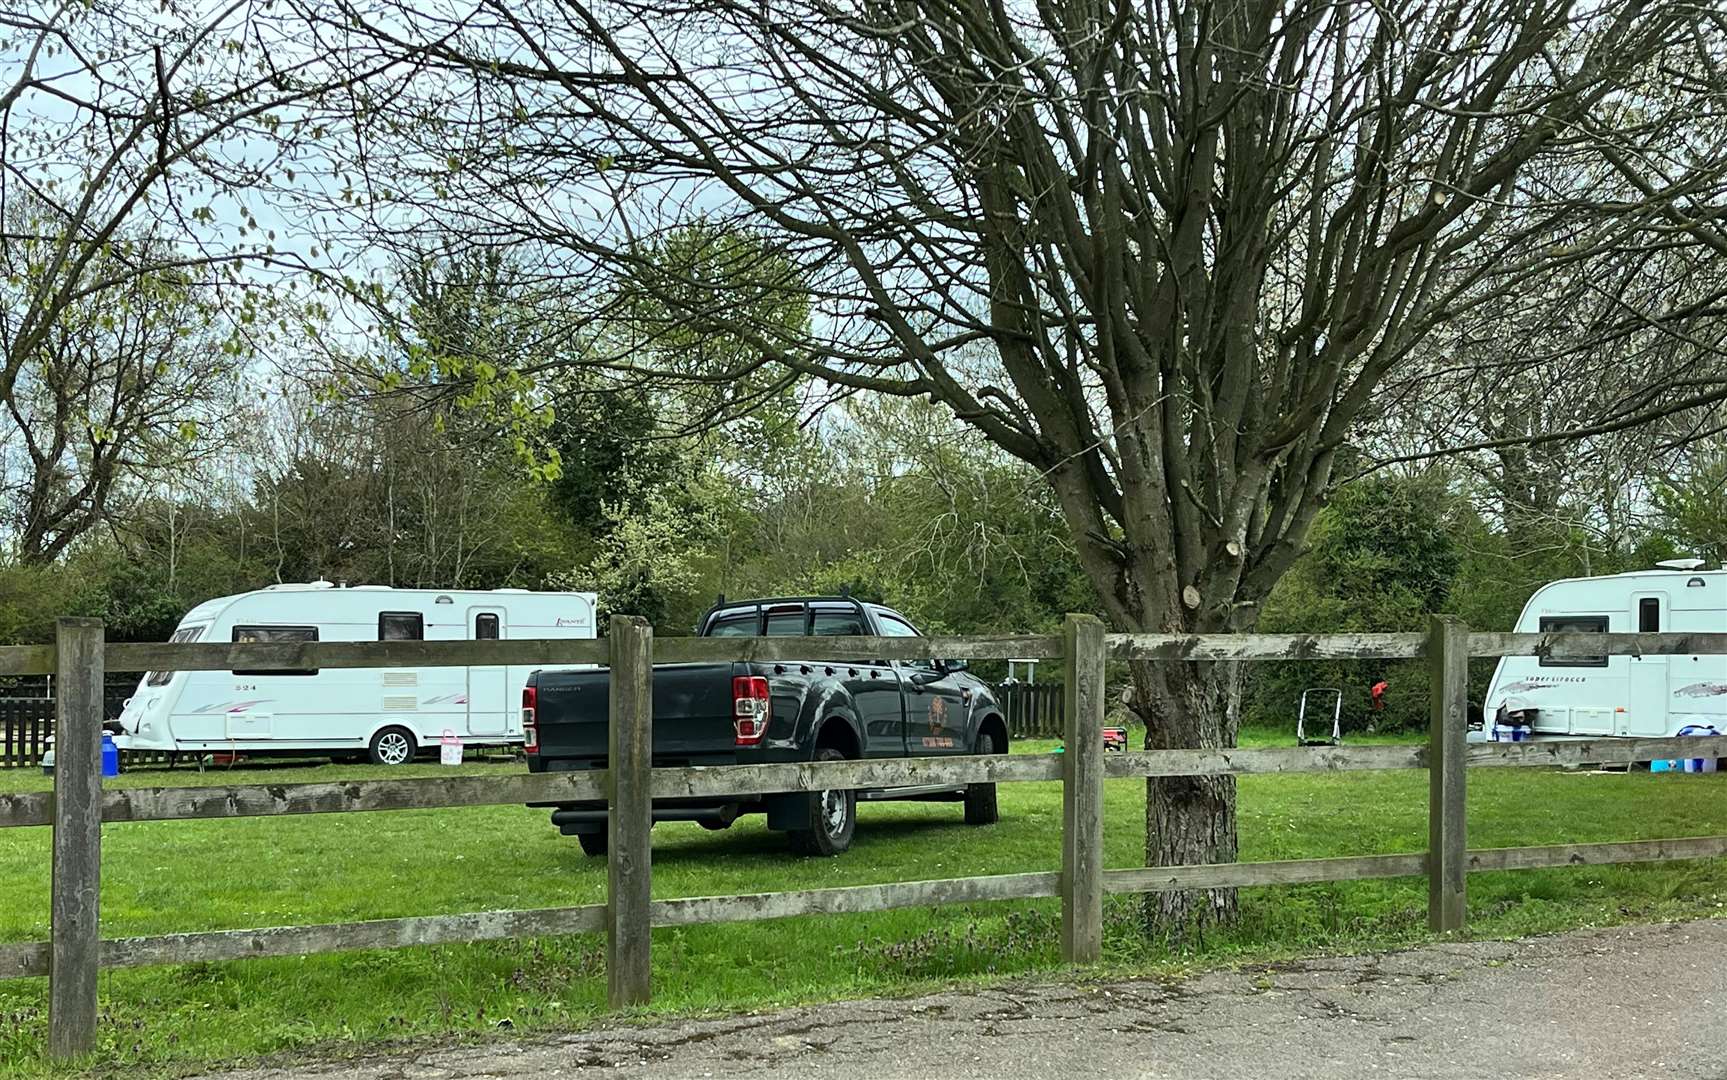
{"x": 1115, "y": 738}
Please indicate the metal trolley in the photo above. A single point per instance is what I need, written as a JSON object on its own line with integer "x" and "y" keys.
{"x": 1301, "y": 738}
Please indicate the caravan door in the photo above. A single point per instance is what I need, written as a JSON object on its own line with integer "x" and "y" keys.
{"x": 489, "y": 695}
{"x": 1646, "y": 686}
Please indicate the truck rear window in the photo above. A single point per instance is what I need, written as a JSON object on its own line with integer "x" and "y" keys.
{"x": 836, "y": 624}
{"x": 733, "y": 626}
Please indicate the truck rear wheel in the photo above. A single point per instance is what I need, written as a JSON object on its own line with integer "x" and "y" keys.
{"x": 832, "y": 816}
{"x": 593, "y": 843}
{"x": 980, "y": 806}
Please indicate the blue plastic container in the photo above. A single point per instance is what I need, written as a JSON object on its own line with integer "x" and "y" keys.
{"x": 1697, "y": 764}
{"x": 110, "y": 757}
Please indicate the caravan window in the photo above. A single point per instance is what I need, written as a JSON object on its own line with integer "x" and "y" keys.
{"x": 189, "y": 633}
{"x": 1649, "y": 615}
{"x": 249, "y": 635}
{"x": 401, "y": 626}
{"x": 486, "y": 627}
{"x": 1574, "y": 624}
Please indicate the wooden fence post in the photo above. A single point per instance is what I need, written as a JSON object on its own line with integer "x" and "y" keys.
{"x": 76, "y": 946}
{"x": 1447, "y": 833}
{"x": 629, "y": 823}
{"x": 1082, "y": 791}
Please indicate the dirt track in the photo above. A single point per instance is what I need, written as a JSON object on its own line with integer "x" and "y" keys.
{"x": 1629, "y": 1002}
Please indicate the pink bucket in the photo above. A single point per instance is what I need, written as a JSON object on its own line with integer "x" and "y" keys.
{"x": 449, "y": 749}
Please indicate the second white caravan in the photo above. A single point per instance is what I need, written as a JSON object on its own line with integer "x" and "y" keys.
{"x": 386, "y": 714}
{"x": 1635, "y": 696}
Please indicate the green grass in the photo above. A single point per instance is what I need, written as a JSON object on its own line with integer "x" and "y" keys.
{"x": 161, "y": 877}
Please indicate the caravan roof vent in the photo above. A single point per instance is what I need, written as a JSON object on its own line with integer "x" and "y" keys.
{"x": 1680, "y": 564}
{"x": 299, "y": 586}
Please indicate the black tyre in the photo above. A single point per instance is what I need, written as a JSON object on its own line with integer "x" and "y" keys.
{"x": 980, "y": 806}
{"x": 593, "y": 843}
{"x": 832, "y": 816}
{"x": 393, "y": 746}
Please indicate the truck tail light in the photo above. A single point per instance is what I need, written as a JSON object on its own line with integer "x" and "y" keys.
{"x": 750, "y": 709}
{"x": 530, "y": 733}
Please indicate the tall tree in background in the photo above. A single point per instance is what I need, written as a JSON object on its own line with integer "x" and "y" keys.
{"x": 1168, "y": 255}
{"x": 123, "y": 115}
{"x": 127, "y": 386}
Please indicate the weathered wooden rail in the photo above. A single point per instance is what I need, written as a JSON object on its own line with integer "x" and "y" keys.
{"x": 79, "y": 805}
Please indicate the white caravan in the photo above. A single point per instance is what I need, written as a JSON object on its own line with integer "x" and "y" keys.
{"x": 386, "y": 713}
{"x": 1595, "y": 696}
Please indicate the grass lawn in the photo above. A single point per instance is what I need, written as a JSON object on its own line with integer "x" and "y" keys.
{"x": 161, "y": 877}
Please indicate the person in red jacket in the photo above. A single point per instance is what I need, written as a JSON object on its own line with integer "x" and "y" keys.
{"x": 1377, "y": 694}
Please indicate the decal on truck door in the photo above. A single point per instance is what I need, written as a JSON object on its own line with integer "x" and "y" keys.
{"x": 937, "y": 721}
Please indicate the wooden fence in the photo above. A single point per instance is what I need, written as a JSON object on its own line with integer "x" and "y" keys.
{"x": 26, "y": 723}
{"x": 1032, "y": 711}
{"x": 79, "y": 806}
{"x": 27, "y": 728}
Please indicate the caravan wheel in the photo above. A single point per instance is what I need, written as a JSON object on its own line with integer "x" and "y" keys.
{"x": 393, "y": 746}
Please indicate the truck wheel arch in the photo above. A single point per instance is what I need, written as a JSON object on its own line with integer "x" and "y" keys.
{"x": 839, "y": 732}
{"x": 993, "y": 725}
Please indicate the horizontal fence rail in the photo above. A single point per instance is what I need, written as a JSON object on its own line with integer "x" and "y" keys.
{"x": 127, "y": 804}
{"x": 300, "y": 656}
{"x": 75, "y": 951}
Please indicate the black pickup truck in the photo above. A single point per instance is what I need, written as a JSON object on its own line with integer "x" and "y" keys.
{"x": 752, "y": 713}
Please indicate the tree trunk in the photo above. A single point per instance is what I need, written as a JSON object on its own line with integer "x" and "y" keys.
{"x": 1188, "y": 819}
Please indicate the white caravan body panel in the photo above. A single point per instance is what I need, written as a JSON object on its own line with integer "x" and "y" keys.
{"x": 1618, "y": 696}
{"x": 341, "y": 709}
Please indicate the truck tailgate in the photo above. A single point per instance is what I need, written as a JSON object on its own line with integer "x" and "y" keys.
{"x": 692, "y": 713}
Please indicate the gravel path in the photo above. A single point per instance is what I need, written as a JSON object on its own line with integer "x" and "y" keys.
{"x": 1641, "y": 1001}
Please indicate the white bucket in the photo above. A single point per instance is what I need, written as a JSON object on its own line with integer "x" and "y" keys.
{"x": 449, "y": 749}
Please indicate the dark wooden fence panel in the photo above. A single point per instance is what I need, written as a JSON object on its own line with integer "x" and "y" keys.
{"x": 27, "y": 725}
{"x": 1033, "y": 712}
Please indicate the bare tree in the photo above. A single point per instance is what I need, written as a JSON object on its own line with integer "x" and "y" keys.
{"x": 127, "y": 386}
{"x": 1168, "y": 254}
{"x": 1560, "y": 388}
{"x": 123, "y": 116}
